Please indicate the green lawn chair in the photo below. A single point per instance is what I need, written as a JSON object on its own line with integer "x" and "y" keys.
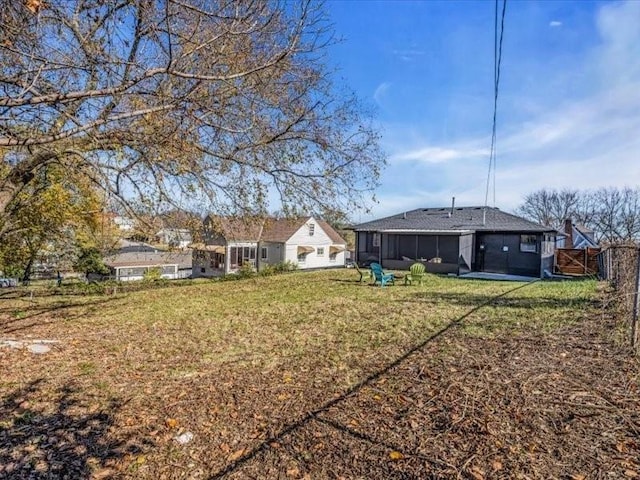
{"x": 365, "y": 275}
{"x": 380, "y": 276}
{"x": 416, "y": 274}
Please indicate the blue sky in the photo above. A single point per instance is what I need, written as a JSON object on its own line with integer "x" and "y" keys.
{"x": 568, "y": 111}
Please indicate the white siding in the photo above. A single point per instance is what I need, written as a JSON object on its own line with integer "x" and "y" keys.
{"x": 318, "y": 239}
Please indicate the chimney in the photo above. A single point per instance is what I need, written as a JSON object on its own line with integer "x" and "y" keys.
{"x": 404, "y": 215}
{"x": 453, "y": 204}
{"x": 568, "y": 231}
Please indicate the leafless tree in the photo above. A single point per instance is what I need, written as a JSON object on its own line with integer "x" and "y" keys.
{"x": 182, "y": 101}
{"x": 550, "y": 207}
{"x": 613, "y": 214}
{"x": 617, "y": 216}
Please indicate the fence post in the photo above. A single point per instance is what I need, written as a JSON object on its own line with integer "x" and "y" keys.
{"x": 634, "y": 318}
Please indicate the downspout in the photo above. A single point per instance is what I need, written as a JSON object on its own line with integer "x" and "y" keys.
{"x": 258, "y": 255}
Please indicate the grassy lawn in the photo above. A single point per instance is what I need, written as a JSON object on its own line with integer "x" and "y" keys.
{"x": 291, "y": 376}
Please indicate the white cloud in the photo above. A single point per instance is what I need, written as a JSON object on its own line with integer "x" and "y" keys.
{"x": 436, "y": 154}
{"x": 408, "y": 54}
{"x": 380, "y": 92}
{"x": 555, "y": 23}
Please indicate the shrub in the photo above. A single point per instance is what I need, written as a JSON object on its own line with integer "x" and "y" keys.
{"x": 246, "y": 271}
{"x": 267, "y": 270}
{"x": 152, "y": 274}
{"x": 287, "y": 266}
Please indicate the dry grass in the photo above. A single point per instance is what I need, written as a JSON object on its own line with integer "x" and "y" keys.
{"x": 304, "y": 375}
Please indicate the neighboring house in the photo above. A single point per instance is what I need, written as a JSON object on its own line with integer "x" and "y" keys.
{"x": 124, "y": 223}
{"x": 174, "y": 237}
{"x": 576, "y": 236}
{"x": 230, "y": 243}
{"x": 458, "y": 240}
{"x": 134, "y": 265}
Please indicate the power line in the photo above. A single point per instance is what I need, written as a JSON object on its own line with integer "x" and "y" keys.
{"x": 497, "y": 61}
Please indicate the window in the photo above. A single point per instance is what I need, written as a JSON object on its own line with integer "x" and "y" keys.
{"x": 548, "y": 244}
{"x": 376, "y": 240}
{"x": 169, "y": 270}
{"x": 332, "y": 257}
{"x": 263, "y": 253}
{"x": 320, "y": 251}
{"x": 528, "y": 243}
{"x": 202, "y": 270}
{"x": 312, "y": 229}
{"x": 302, "y": 258}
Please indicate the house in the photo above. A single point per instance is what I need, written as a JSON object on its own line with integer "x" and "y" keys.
{"x": 230, "y": 243}
{"x": 458, "y": 240}
{"x": 576, "y": 236}
{"x": 174, "y": 237}
{"x": 135, "y": 265}
{"x": 124, "y": 223}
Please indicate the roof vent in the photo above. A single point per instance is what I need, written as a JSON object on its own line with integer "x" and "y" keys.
{"x": 404, "y": 215}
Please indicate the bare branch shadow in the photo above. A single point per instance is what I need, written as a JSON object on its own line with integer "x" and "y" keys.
{"x": 31, "y": 315}
{"x": 39, "y": 440}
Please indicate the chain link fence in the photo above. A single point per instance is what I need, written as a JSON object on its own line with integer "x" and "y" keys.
{"x": 620, "y": 266}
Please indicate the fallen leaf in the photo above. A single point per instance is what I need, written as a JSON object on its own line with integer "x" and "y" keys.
{"x": 577, "y": 476}
{"x": 395, "y": 455}
{"x": 293, "y": 472}
{"x": 225, "y": 448}
{"x": 631, "y": 473}
{"x": 103, "y": 473}
{"x": 497, "y": 465}
{"x": 477, "y": 473}
{"x": 236, "y": 455}
{"x": 171, "y": 422}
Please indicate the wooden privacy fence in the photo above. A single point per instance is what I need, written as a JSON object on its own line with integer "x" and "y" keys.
{"x": 620, "y": 265}
{"x": 577, "y": 261}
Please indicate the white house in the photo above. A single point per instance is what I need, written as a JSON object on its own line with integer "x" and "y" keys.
{"x": 124, "y": 223}
{"x": 229, "y": 243}
{"x": 174, "y": 237}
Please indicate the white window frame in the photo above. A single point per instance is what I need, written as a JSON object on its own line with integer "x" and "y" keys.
{"x": 320, "y": 251}
{"x": 528, "y": 247}
{"x": 375, "y": 242}
{"x": 312, "y": 229}
{"x": 264, "y": 253}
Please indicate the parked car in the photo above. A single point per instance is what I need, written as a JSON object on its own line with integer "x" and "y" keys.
{"x": 8, "y": 282}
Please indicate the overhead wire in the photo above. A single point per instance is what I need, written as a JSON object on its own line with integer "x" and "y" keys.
{"x": 497, "y": 61}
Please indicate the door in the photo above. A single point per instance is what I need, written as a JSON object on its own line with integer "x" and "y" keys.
{"x": 492, "y": 253}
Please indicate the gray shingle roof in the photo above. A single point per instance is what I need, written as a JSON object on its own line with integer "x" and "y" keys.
{"x": 462, "y": 219}
{"x": 146, "y": 259}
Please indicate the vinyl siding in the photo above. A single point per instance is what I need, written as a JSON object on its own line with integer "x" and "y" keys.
{"x": 319, "y": 239}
